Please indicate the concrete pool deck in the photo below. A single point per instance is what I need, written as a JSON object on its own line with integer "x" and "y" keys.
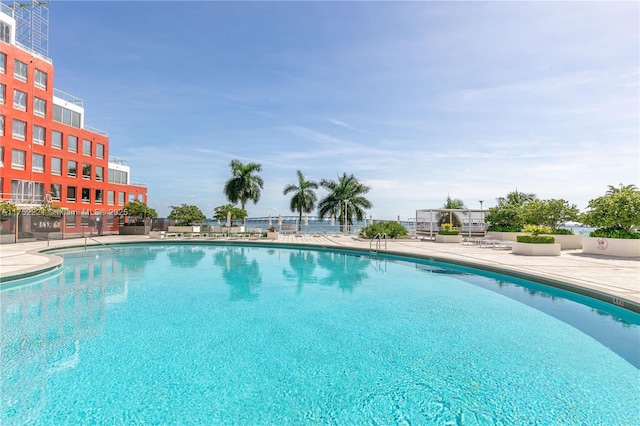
{"x": 612, "y": 279}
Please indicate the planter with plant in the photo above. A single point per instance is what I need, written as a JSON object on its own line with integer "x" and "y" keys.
{"x": 272, "y": 234}
{"x": 535, "y": 244}
{"x": 448, "y": 235}
{"x": 391, "y": 229}
{"x": 616, "y": 215}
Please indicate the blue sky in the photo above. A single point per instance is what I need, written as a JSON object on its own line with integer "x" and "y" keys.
{"x": 417, "y": 99}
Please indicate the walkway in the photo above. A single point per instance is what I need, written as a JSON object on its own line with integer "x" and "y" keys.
{"x": 616, "y": 277}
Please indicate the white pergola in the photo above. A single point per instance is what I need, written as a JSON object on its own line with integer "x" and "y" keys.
{"x": 472, "y": 221}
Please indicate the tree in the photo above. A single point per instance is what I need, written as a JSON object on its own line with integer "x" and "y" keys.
{"x": 221, "y": 213}
{"x": 450, "y": 217}
{"x": 507, "y": 215}
{"x": 549, "y": 213}
{"x": 186, "y": 215}
{"x": 304, "y": 198}
{"x": 244, "y": 184}
{"x": 138, "y": 211}
{"x": 346, "y": 190}
{"x": 619, "y": 208}
{"x": 7, "y": 208}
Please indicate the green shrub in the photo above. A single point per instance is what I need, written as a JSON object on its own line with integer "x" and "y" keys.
{"x": 615, "y": 232}
{"x": 449, "y": 232}
{"x": 392, "y": 229}
{"x": 561, "y": 231}
{"x": 503, "y": 228}
{"x": 536, "y": 229}
{"x": 535, "y": 239}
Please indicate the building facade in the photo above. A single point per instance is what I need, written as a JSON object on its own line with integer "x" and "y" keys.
{"x": 47, "y": 153}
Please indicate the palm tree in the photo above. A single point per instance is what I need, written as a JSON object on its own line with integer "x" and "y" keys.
{"x": 451, "y": 217}
{"x": 244, "y": 184}
{"x": 304, "y": 198}
{"x": 622, "y": 188}
{"x": 516, "y": 198}
{"x": 347, "y": 192}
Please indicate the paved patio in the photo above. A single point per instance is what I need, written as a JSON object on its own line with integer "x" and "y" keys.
{"x": 615, "y": 280}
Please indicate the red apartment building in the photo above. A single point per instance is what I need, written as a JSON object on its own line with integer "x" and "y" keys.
{"x": 47, "y": 153}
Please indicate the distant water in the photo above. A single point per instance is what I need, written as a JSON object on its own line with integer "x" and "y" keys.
{"x": 314, "y": 225}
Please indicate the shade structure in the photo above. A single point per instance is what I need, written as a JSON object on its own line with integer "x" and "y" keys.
{"x": 333, "y": 220}
{"x": 279, "y": 221}
{"x": 306, "y": 220}
{"x": 270, "y": 224}
{"x": 228, "y": 219}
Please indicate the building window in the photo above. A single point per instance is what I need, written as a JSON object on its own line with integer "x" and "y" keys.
{"x": 54, "y": 191}
{"x": 56, "y": 139}
{"x": 110, "y": 197}
{"x": 70, "y": 218}
{"x": 56, "y": 166}
{"x": 72, "y": 143}
{"x": 19, "y": 129}
{"x": 86, "y": 147}
{"x": 66, "y": 116}
{"x": 86, "y": 195}
{"x": 99, "y": 150}
{"x": 117, "y": 176}
{"x": 99, "y": 173}
{"x": 17, "y": 159}
{"x": 72, "y": 168}
{"x": 86, "y": 171}
{"x": 24, "y": 190}
{"x": 38, "y": 135}
{"x": 3, "y": 63}
{"x": 99, "y": 194}
{"x": 3, "y": 94}
{"x": 20, "y": 70}
{"x": 41, "y": 79}
{"x": 1, "y": 125}
{"x": 121, "y": 198}
{"x": 71, "y": 194}
{"x": 1, "y": 161}
{"x": 39, "y": 107}
{"x": 5, "y": 35}
{"x": 37, "y": 163}
{"x": 19, "y": 100}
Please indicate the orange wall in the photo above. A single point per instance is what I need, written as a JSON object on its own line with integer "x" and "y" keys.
{"x": 8, "y": 173}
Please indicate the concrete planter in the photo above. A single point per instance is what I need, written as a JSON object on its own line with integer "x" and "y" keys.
{"x": 448, "y": 238}
{"x": 568, "y": 242}
{"x": 529, "y": 249}
{"x": 134, "y": 230}
{"x": 183, "y": 229}
{"x": 272, "y": 235}
{"x": 156, "y": 234}
{"x": 611, "y": 246}
{"x": 505, "y": 236}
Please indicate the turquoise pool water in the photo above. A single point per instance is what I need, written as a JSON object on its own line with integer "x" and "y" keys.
{"x": 204, "y": 334}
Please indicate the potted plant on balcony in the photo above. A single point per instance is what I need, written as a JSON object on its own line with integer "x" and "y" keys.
{"x": 616, "y": 215}
{"x": 535, "y": 244}
{"x": 448, "y": 235}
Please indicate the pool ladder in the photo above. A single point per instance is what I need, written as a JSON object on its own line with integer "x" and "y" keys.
{"x": 93, "y": 239}
{"x": 378, "y": 242}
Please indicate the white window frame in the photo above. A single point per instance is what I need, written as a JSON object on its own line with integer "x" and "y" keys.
{"x": 20, "y": 100}
{"x": 69, "y": 174}
{"x": 3, "y": 63}
{"x": 1, "y": 125}
{"x": 18, "y": 154}
{"x": 39, "y": 107}
{"x": 69, "y": 144}
{"x": 39, "y": 135}
{"x": 51, "y": 194}
{"x": 99, "y": 173}
{"x": 53, "y": 139}
{"x": 40, "y": 79}
{"x": 3, "y": 94}
{"x": 17, "y": 125}
{"x": 56, "y": 171}
{"x": 37, "y": 163}
{"x": 84, "y": 146}
{"x": 20, "y": 70}
{"x": 99, "y": 150}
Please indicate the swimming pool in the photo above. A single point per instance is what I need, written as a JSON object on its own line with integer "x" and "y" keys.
{"x": 232, "y": 334}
